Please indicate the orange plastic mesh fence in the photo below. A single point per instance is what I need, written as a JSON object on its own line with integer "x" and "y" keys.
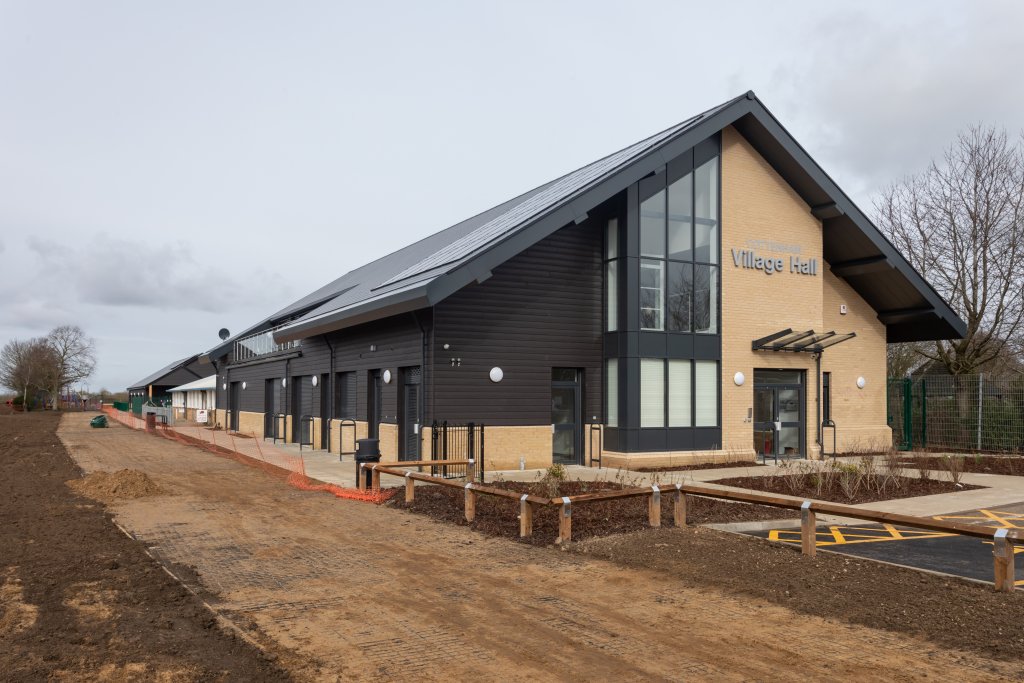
{"x": 248, "y": 450}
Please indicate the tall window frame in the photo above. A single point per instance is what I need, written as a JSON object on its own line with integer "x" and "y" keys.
{"x": 680, "y": 259}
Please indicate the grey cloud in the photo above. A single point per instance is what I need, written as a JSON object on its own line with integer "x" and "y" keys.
{"x": 881, "y": 100}
{"x": 108, "y": 271}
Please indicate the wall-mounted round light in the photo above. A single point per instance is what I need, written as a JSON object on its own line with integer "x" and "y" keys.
{"x": 315, "y": 380}
{"x": 496, "y": 375}
{"x": 387, "y": 377}
{"x": 224, "y": 386}
{"x": 739, "y": 379}
{"x": 243, "y": 386}
{"x": 284, "y": 381}
{"x": 861, "y": 382}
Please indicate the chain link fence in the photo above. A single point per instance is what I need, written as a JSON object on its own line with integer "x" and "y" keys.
{"x": 963, "y": 413}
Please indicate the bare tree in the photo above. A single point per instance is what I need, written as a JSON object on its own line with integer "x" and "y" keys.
{"x": 24, "y": 365}
{"x": 73, "y": 359}
{"x": 961, "y": 224}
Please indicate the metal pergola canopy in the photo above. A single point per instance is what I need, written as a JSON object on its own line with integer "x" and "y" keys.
{"x": 808, "y": 341}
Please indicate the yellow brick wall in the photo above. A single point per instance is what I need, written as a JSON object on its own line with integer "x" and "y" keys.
{"x": 757, "y": 204}
{"x": 388, "y": 441}
{"x": 338, "y": 433}
{"x": 631, "y": 461}
{"x": 859, "y": 414}
{"x": 250, "y": 424}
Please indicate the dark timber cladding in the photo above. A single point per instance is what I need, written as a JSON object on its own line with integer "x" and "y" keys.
{"x": 539, "y": 310}
{"x": 397, "y": 343}
{"x": 522, "y": 287}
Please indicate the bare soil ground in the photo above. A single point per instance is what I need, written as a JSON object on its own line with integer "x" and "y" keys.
{"x": 499, "y": 516}
{"x": 363, "y": 592}
{"x": 979, "y": 464}
{"x": 872, "y": 488}
{"x": 79, "y": 600}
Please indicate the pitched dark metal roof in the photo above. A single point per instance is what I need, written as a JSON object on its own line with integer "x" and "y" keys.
{"x": 162, "y": 372}
{"x": 433, "y": 268}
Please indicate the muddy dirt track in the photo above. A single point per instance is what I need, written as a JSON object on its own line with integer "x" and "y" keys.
{"x": 81, "y": 601}
{"x": 361, "y": 592}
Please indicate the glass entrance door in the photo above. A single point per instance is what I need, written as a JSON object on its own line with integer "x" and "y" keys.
{"x": 778, "y": 414}
{"x": 566, "y": 432}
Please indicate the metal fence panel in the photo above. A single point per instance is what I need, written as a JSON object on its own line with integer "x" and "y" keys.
{"x": 961, "y": 413}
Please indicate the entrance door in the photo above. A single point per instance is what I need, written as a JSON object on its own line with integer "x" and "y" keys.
{"x": 302, "y": 395}
{"x": 566, "y": 420}
{"x": 233, "y": 399}
{"x": 409, "y": 420}
{"x": 779, "y": 413}
{"x": 269, "y": 406}
{"x": 374, "y": 405}
{"x": 325, "y": 419}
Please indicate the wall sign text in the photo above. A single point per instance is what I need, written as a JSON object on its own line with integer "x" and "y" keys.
{"x": 748, "y": 258}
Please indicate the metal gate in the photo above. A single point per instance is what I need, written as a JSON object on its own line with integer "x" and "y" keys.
{"x": 457, "y": 442}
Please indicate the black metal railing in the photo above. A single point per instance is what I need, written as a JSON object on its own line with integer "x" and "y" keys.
{"x": 457, "y": 442}
{"x": 305, "y": 431}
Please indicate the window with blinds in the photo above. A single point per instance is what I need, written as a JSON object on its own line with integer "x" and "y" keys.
{"x": 652, "y": 392}
{"x": 679, "y": 393}
{"x": 706, "y": 393}
{"x": 611, "y": 393}
{"x": 345, "y": 395}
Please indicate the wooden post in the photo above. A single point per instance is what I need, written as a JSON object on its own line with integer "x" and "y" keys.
{"x": 361, "y": 477}
{"x": 375, "y": 479}
{"x": 525, "y": 517}
{"x": 679, "y": 511}
{"x": 808, "y": 534}
{"x": 565, "y": 521}
{"x": 654, "y": 507}
{"x": 471, "y": 470}
{"x": 470, "y": 502}
{"x": 410, "y": 488}
{"x": 1002, "y": 551}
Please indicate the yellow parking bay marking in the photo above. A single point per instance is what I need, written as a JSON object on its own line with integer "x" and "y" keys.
{"x": 848, "y": 535}
{"x": 1002, "y": 520}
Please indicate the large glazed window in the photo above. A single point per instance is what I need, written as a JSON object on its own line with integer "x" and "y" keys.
{"x": 611, "y": 392}
{"x": 679, "y": 234}
{"x": 706, "y": 393}
{"x": 652, "y": 293}
{"x": 611, "y": 275}
{"x": 652, "y": 392}
{"x": 679, "y": 393}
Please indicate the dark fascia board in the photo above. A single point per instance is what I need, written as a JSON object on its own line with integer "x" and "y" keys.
{"x": 845, "y": 205}
{"x": 160, "y": 374}
{"x": 400, "y": 302}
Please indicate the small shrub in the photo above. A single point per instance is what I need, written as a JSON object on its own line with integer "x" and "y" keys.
{"x": 954, "y": 464}
{"x": 550, "y": 483}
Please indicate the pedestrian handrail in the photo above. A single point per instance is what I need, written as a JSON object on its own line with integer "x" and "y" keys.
{"x": 1003, "y": 539}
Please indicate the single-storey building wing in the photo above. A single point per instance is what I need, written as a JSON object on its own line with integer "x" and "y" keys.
{"x": 157, "y": 387}
{"x": 708, "y": 292}
{"x": 195, "y": 400}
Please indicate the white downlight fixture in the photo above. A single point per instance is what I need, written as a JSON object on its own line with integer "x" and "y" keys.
{"x": 224, "y": 386}
{"x": 861, "y": 382}
{"x": 739, "y": 379}
{"x": 496, "y": 375}
{"x": 315, "y": 381}
{"x": 243, "y": 386}
{"x": 284, "y": 381}
{"x": 387, "y": 377}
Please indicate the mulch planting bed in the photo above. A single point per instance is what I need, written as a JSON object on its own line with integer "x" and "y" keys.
{"x": 804, "y": 486}
{"x": 946, "y": 611}
{"x": 976, "y": 464}
{"x": 500, "y": 516}
{"x": 79, "y": 600}
{"x": 705, "y": 466}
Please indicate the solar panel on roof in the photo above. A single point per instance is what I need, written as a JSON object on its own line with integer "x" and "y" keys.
{"x": 535, "y": 204}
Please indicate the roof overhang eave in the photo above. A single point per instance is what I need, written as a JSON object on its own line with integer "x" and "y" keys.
{"x": 357, "y": 314}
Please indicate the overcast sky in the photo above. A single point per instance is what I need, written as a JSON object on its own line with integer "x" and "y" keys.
{"x": 171, "y": 168}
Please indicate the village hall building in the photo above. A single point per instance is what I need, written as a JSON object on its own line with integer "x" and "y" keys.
{"x": 708, "y": 292}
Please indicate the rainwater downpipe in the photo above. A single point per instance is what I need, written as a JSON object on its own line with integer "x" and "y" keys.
{"x": 817, "y": 367}
{"x": 423, "y": 380}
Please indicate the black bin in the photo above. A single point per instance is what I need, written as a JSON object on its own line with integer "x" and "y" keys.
{"x": 367, "y": 450}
